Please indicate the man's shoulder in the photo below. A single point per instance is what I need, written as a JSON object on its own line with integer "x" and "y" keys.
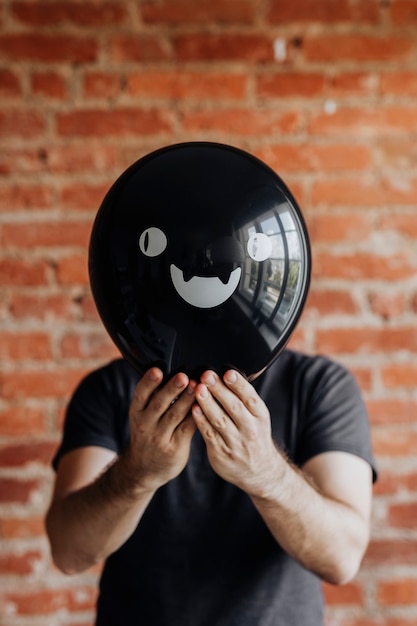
{"x": 116, "y": 376}
{"x": 303, "y": 362}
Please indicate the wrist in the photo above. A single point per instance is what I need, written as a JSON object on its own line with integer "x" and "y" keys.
{"x": 273, "y": 484}
{"x": 124, "y": 479}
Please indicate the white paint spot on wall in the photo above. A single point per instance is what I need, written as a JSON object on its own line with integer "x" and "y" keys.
{"x": 330, "y": 107}
{"x": 280, "y": 49}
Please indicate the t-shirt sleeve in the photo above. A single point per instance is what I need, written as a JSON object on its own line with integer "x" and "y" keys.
{"x": 333, "y": 414}
{"x": 97, "y": 414}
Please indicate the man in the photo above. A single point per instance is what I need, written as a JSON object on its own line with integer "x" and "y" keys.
{"x": 216, "y": 502}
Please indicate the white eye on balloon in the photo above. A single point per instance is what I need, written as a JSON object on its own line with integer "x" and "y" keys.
{"x": 152, "y": 241}
{"x": 259, "y": 247}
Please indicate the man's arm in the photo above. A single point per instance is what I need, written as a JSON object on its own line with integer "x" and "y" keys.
{"x": 321, "y": 514}
{"x": 99, "y": 497}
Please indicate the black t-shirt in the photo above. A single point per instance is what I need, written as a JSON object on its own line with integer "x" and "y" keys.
{"x": 201, "y": 554}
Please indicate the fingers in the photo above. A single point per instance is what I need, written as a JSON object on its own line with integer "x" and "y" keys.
{"x": 145, "y": 388}
{"x": 173, "y": 400}
{"x": 211, "y": 419}
{"x": 216, "y": 409}
{"x": 246, "y": 392}
{"x": 236, "y": 395}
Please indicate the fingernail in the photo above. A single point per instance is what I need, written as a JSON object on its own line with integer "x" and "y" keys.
{"x": 178, "y": 381}
{"x": 231, "y": 377}
{"x": 153, "y": 374}
{"x": 209, "y": 379}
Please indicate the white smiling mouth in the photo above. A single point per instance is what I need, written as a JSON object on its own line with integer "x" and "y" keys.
{"x": 204, "y": 292}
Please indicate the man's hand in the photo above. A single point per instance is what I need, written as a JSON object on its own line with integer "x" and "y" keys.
{"x": 99, "y": 497}
{"x": 235, "y": 424}
{"x": 327, "y": 501}
{"x": 161, "y": 429}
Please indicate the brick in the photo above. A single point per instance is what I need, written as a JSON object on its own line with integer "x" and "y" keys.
{"x": 353, "y": 83}
{"x": 139, "y": 48}
{"x": 119, "y": 122}
{"x": 398, "y": 152}
{"x": 339, "y": 228}
{"x": 15, "y": 197}
{"x": 73, "y": 270}
{"x": 378, "y": 621}
{"x": 364, "y": 377}
{"x": 9, "y": 84}
{"x": 83, "y": 196}
{"x": 20, "y": 160}
{"x": 183, "y": 85}
{"x": 18, "y": 455}
{"x": 364, "y": 122}
{"x": 362, "y": 266}
{"x": 367, "y": 340}
{"x": 21, "y": 384}
{"x": 87, "y": 345}
{"x": 42, "y": 307}
{"x": 23, "y": 124}
{"x": 202, "y": 12}
{"x": 325, "y": 11}
{"x": 40, "y": 13}
{"x": 397, "y": 592}
{"x": 244, "y": 122}
{"x": 21, "y": 420}
{"x": 389, "y": 552}
{"x": 22, "y": 528}
{"x": 399, "y": 375}
{"x": 47, "y": 48}
{"x": 392, "y": 411}
{"x": 88, "y": 308}
{"x": 49, "y": 601}
{"x": 20, "y": 564}
{"x": 49, "y": 85}
{"x": 291, "y": 157}
{"x": 25, "y": 345}
{"x": 387, "y": 305}
{"x": 101, "y": 85}
{"x": 392, "y": 443}
{"x": 403, "y": 12}
{"x": 16, "y": 272}
{"x": 330, "y": 302}
{"x": 399, "y": 83}
{"x": 224, "y": 47}
{"x": 391, "y": 484}
{"x": 350, "y": 594}
{"x": 14, "y": 490}
{"x": 403, "y": 223}
{"x": 402, "y": 515}
{"x": 74, "y": 158}
{"x": 357, "y": 47}
{"x": 290, "y": 84}
{"x": 356, "y": 192}
{"x": 47, "y": 234}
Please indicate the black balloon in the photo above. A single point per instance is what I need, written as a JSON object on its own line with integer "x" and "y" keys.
{"x": 199, "y": 258}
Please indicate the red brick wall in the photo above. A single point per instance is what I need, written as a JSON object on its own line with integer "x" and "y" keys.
{"x": 325, "y": 91}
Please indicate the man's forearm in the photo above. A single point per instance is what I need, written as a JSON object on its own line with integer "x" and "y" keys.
{"x": 326, "y": 536}
{"x": 87, "y": 525}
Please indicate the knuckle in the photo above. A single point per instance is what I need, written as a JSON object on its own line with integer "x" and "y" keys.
{"x": 252, "y": 403}
{"x": 219, "y": 422}
{"x": 157, "y": 404}
{"x": 236, "y": 407}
